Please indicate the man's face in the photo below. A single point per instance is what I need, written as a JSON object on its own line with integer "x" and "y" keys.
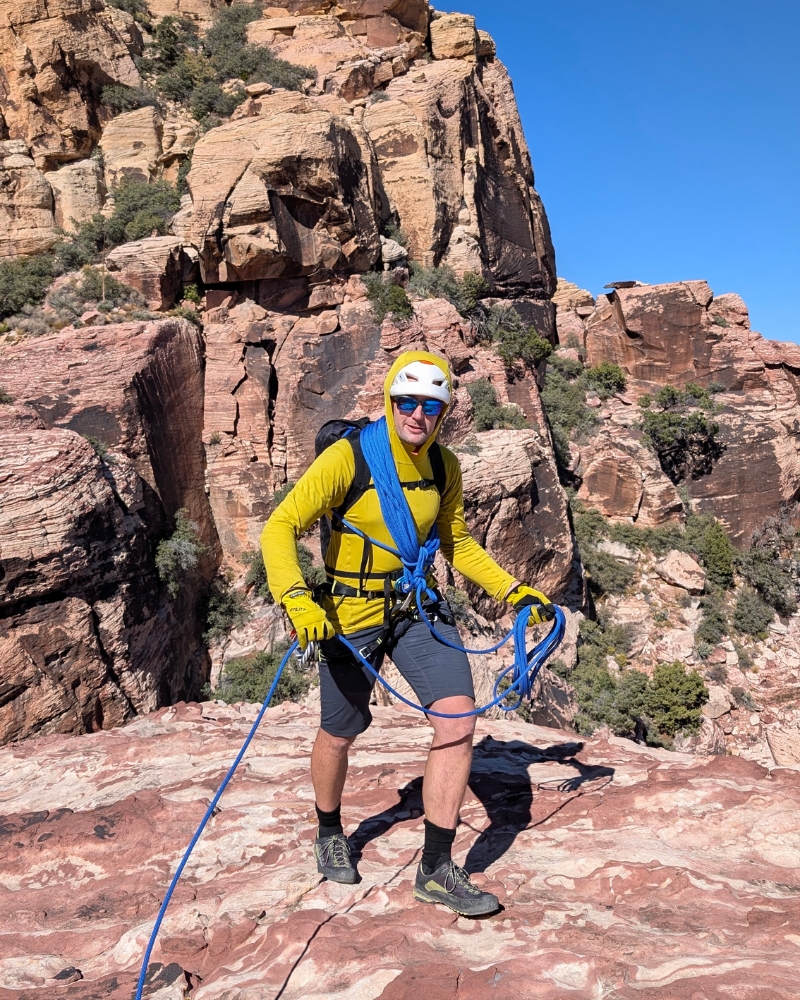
{"x": 416, "y": 427}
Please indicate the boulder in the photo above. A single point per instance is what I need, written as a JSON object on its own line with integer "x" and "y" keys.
{"x": 569, "y": 296}
{"x": 152, "y": 266}
{"x": 79, "y": 192}
{"x": 287, "y": 193}
{"x": 680, "y": 570}
{"x": 453, "y": 36}
{"x": 54, "y": 59}
{"x": 26, "y": 202}
{"x": 131, "y": 145}
{"x": 619, "y": 551}
{"x": 784, "y": 742}
{"x": 719, "y": 702}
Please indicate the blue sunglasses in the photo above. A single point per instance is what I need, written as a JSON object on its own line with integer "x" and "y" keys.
{"x": 409, "y": 404}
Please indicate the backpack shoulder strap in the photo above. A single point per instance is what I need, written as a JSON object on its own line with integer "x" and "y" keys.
{"x": 437, "y": 466}
{"x": 362, "y": 477}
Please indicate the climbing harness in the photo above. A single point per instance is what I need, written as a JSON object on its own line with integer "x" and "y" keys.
{"x": 515, "y": 682}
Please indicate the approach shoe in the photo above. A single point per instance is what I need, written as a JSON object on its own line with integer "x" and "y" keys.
{"x": 333, "y": 859}
{"x": 450, "y": 885}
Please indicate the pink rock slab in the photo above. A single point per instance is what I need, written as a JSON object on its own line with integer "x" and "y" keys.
{"x": 623, "y": 871}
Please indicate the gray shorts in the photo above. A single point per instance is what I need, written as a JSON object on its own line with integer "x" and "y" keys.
{"x": 433, "y": 670}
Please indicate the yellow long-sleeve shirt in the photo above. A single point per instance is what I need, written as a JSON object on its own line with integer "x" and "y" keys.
{"x": 324, "y": 486}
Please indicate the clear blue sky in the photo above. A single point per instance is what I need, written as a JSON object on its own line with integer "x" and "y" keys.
{"x": 665, "y": 137}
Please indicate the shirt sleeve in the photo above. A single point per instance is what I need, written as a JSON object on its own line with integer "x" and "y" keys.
{"x": 457, "y": 544}
{"x": 322, "y": 487}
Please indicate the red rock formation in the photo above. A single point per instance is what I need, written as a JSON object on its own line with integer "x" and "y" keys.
{"x": 622, "y": 870}
{"x": 674, "y": 334}
{"x": 89, "y": 634}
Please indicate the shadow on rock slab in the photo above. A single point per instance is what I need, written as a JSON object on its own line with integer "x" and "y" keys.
{"x": 499, "y": 779}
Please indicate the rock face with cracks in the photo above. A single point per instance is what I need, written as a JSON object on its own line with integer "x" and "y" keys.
{"x": 623, "y": 872}
{"x": 88, "y": 634}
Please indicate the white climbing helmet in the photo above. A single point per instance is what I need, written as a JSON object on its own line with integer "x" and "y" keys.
{"x": 421, "y": 378}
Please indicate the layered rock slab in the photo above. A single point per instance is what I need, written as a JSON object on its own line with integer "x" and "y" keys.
{"x": 89, "y": 633}
{"x": 622, "y": 870}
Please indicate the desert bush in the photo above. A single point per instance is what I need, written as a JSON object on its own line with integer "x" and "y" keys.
{"x": 249, "y": 678}
{"x": 5, "y": 397}
{"x": 387, "y": 299}
{"x": 606, "y": 574}
{"x": 460, "y": 604}
{"x": 771, "y": 566}
{"x": 23, "y": 282}
{"x": 606, "y": 379}
{"x": 675, "y": 699}
{"x": 488, "y": 412}
{"x": 394, "y": 232}
{"x": 100, "y": 449}
{"x": 518, "y": 346}
{"x": 751, "y": 614}
{"x": 191, "y": 70}
{"x": 564, "y": 402}
{"x": 709, "y": 541}
{"x": 227, "y": 610}
{"x": 139, "y": 209}
{"x": 442, "y": 283}
{"x": 717, "y": 673}
{"x": 177, "y": 556}
{"x": 119, "y": 98}
{"x": 256, "y": 576}
{"x": 280, "y": 494}
{"x": 713, "y": 625}
{"x": 683, "y": 437}
{"x": 137, "y": 9}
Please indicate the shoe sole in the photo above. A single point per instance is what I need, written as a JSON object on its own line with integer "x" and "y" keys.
{"x": 426, "y": 897}
{"x": 345, "y": 878}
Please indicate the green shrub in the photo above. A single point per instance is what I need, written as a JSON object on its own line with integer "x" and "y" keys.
{"x": 97, "y": 285}
{"x": 23, "y": 282}
{"x": 182, "y": 183}
{"x": 100, "y": 449}
{"x": 708, "y": 540}
{"x": 227, "y": 610}
{"x": 137, "y": 9}
{"x": 387, "y": 299}
{"x": 772, "y": 577}
{"x": 675, "y": 699}
{"x": 606, "y": 379}
{"x": 564, "y": 402}
{"x": 393, "y": 232}
{"x": 139, "y": 209}
{"x": 192, "y": 294}
{"x": 488, "y": 412}
{"x": 460, "y": 604}
{"x": 120, "y": 98}
{"x": 684, "y": 438}
{"x": 249, "y": 678}
{"x": 256, "y": 576}
{"x": 704, "y": 650}
{"x": 82, "y": 246}
{"x": 751, "y": 614}
{"x": 606, "y": 574}
{"x": 442, "y": 283}
{"x": 280, "y": 494}
{"x": 717, "y": 674}
{"x": 177, "y": 556}
{"x": 5, "y": 397}
{"x": 516, "y": 344}
{"x": 713, "y": 625}
{"x": 190, "y": 70}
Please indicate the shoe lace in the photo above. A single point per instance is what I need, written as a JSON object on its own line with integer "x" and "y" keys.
{"x": 337, "y": 851}
{"x": 456, "y": 876}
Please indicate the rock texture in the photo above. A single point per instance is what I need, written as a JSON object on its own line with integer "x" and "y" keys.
{"x": 153, "y": 266}
{"x": 55, "y": 56}
{"x": 623, "y": 872}
{"x": 78, "y": 192}
{"x": 88, "y": 633}
{"x": 26, "y": 203}
{"x": 674, "y": 334}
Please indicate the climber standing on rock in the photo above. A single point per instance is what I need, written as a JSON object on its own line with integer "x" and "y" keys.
{"x": 359, "y": 602}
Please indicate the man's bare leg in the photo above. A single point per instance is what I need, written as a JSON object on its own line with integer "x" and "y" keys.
{"x": 449, "y": 760}
{"x": 329, "y": 768}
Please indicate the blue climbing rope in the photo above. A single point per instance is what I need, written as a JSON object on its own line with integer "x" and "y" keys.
{"x": 417, "y": 560}
{"x": 520, "y": 685}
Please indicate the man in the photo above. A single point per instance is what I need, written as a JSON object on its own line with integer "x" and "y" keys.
{"x": 416, "y": 396}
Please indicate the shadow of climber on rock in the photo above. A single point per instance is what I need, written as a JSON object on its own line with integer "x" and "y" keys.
{"x": 499, "y": 779}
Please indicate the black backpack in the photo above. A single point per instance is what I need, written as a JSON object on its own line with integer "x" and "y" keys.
{"x": 335, "y": 430}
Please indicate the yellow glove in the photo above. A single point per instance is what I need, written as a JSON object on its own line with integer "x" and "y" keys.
{"x": 309, "y": 620}
{"x": 541, "y": 608}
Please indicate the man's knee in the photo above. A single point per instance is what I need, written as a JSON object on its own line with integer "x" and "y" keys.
{"x": 338, "y": 745}
{"x": 453, "y": 731}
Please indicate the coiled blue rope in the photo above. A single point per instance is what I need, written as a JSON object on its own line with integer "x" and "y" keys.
{"x": 521, "y": 684}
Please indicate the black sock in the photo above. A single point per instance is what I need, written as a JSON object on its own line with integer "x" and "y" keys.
{"x": 329, "y": 822}
{"x": 438, "y": 845}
